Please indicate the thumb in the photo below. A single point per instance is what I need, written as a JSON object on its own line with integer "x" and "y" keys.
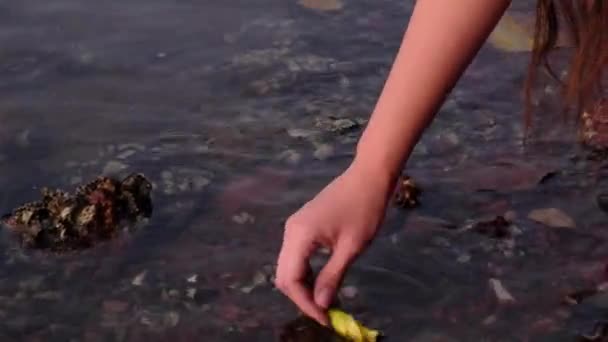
{"x": 331, "y": 275}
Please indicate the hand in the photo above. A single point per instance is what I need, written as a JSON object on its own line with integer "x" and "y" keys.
{"x": 344, "y": 218}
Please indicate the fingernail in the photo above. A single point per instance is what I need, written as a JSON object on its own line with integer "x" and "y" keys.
{"x": 323, "y": 298}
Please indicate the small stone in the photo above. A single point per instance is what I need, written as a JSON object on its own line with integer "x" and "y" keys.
{"x": 323, "y": 152}
{"x": 115, "y": 306}
{"x": 114, "y": 167}
{"x": 552, "y": 217}
{"x": 500, "y": 291}
{"x": 464, "y": 258}
{"x": 191, "y": 292}
{"x": 489, "y": 320}
{"x": 259, "y": 279}
{"x": 510, "y": 215}
{"x": 243, "y": 218}
{"x": 349, "y": 292}
{"x": 171, "y": 319}
{"x": 193, "y": 278}
{"x": 451, "y": 138}
{"x": 199, "y": 182}
{"x": 290, "y": 156}
{"x": 161, "y": 55}
{"x": 300, "y": 133}
{"x": 336, "y": 125}
{"x": 139, "y": 279}
{"x": 126, "y": 154}
{"x": 133, "y": 146}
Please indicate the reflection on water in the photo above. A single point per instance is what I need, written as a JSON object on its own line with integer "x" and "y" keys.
{"x": 232, "y": 109}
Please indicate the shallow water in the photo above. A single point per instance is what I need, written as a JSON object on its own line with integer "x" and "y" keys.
{"x": 216, "y": 103}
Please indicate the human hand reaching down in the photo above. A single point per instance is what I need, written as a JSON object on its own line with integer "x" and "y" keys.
{"x": 343, "y": 218}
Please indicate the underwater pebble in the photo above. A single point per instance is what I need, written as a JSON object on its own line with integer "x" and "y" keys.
{"x": 489, "y": 320}
{"x": 134, "y": 146}
{"x": 323, "y": 151}
{"x": 336, "y": 125}
{"x": 139, "y": 279}
{"x": 552, "y": 217}
{"x": 290, "y": 156}
{"x": 192, "y": 279}
{"x": 243, "y": 218}
{"x": 191, "y": 292}
{"x": 349, "y": 292}
{"x": 113, "y": 167}
{"x": 500, "y": 291}
{"x": 171, "y": 319}
{"x": 201, "y": 149}
{"x": 510, "y": 215}
{"x": 199, "y": 182}
{"x": 300, "y": 133}
{"x": 126, "y": 154}
{"x": 464, "y": 258}
{"x": 259, "y": 279}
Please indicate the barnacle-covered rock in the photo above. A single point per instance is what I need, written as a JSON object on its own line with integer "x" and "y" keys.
{"x": 96, "y": 211}
{"x": 406, "y": 192}
{"x": 594, "y": 129}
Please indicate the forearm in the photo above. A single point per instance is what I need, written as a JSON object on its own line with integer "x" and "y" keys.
{"x": 441, "y": 40}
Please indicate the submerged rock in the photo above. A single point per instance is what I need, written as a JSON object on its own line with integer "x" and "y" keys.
{"x": 61, "y": 221}
{"x": 406, "y": 193}
{"x": 594, "y": 129}
{"x": 305, "y": 329}
{"x": 552, "y": 217}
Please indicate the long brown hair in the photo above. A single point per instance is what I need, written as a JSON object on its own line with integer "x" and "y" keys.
{"x": 586, "y": 25}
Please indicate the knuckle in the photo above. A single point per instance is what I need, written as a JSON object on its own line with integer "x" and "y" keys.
{"x": 281, "y": 283}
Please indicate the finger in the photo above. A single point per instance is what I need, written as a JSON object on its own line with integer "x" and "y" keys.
{"x": 291, "y": 277}
{"x": 331, "y": 275}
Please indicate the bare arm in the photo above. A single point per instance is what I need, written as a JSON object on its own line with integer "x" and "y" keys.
{"x": 441, "y": 40}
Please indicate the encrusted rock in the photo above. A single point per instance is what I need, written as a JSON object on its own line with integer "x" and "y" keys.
{"x": 61, "y": 221}
{"x": 406, "y": 192}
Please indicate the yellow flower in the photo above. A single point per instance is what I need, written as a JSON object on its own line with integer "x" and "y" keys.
{"x": 345, "y": 325}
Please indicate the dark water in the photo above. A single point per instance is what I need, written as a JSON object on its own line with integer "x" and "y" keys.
{"x": 209, "y": 99}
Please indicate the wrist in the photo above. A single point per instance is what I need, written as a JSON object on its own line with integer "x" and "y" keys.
{"x": 373, "y": 166}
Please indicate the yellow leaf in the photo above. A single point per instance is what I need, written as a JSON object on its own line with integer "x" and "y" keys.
{"x": 345, "y": 325}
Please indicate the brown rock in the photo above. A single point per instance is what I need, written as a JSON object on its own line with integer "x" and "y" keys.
{"x": 552, "y": 217}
